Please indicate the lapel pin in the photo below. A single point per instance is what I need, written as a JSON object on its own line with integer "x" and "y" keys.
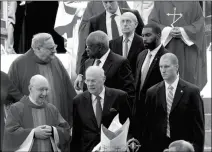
{"x": 181, "y": 91}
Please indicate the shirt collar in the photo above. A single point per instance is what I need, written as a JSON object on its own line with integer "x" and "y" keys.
{"x": 155, "y": 51}
{"x": 102, "y": 95}
{"x": 130, "y": 38}
{"x": 33, "y": 101}
{"x": 104, "y": 57}
{"x": 118, "y": 13}
{"x": 174, "y": 84}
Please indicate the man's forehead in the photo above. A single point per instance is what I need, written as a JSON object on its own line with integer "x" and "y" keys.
{"x": 49, "y": 42}
{"x": 147, "y": 30}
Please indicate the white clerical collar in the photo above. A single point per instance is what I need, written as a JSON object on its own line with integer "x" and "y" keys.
{"x": 155, "y": 51}
{"x": 102, "y": 95}
{"x": 174, "y": 84}
{"x": 104, "y": 57}
{"x": 33, "y": 101}
{"x": 118, "y": 13}
{"x": 130, "y": 38}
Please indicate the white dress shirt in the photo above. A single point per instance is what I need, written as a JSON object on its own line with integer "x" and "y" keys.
{"x": 153, "y": 53}
{"x": 129, "y": 43}
{"x": 94, "y": 100}
{"x": 108, "y": 23}
{"x": 174, "y": 85}
{"x": 102, "y": 59}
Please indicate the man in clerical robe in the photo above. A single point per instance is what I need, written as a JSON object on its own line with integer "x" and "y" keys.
{"x": 41, "y": 59}
{"x": 34, "y": 124}
{"x": 182, "y": 25}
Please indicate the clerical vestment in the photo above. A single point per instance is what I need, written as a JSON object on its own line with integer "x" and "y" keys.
{"x": 190, "y": 47}
{"x": 62, "y": 91}
{"x": 23, "y": 117}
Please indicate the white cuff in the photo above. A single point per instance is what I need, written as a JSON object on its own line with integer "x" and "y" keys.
{"x": 185, "y": 37}
{"x": 165, "y": 37}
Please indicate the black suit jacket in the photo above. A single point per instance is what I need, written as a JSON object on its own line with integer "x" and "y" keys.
{"x": 118, "y": 74}
{"x": 99, "y": 23}
{"x": 153, "y": 75}
{"x": 186, "y": 117}
{"x": 86, "y": 133}
{"x": 152, "y": 78}
{"x": 136, "y": 47}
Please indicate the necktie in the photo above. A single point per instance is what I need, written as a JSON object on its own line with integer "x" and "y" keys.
{"x": 145, "y": 69}
{"x": 169, "y": 100}
{"x": 114, "y": 28}
{"x": 98, "y": 62}
{"x": 125, "y": 47}
{"x": 98, "y": 110}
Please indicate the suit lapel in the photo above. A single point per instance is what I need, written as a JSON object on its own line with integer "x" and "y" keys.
{"x": 178, "y": 94}
{"x": 141, "y": 61}
{"x": 107, "y": 102}
{"x": 103, "y": 22}
{"x": 89, "y": 62}
{"x": 119, "y": 46}
{"x": 107, "y": 64}
{"x": 154, "y": 62}
{"x": 89, "y": 108}
{"x": 162, "y": 95}
{"x": 134, "y": 46}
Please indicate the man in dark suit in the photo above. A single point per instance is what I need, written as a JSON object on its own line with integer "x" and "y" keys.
{"x": 130, "y": 44}
{"x": 98, "y": 105}
{"x": 109, "y": 22}
{"x": 117, "y": 68}
{"x": 174, "y": 110}
{"x": 147, "y": 70}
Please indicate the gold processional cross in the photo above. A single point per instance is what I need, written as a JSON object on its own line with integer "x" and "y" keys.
{"x": 174, "y": 16}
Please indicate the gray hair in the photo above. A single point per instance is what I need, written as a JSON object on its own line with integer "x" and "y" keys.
{"x": 39, "y": 40}
{"x": 97, "y": 70}
{"x": 131, "y": 16}
{"x": 98, "y": 37}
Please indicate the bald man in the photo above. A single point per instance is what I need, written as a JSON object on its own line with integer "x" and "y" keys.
{"x": 130, "y": 44}
{"x": 180, "y": 146}
{"x": 174, "y": 110}
{"x": 98, "y": 105}
{"x": 34, "y": 124}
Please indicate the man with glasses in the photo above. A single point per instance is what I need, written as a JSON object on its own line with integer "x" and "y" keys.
{"x": 98, "y": 105}
{"x": 41, "y": 59}
{"x": 117, "y": 68}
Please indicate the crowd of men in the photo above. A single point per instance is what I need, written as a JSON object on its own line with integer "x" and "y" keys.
{"x": 125, "y": 69}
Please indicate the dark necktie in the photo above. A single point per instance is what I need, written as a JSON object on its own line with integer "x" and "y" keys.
{"x": 98, "y": 110}
{"x": 114, "y": 28}
{"x": 98, "y": 62}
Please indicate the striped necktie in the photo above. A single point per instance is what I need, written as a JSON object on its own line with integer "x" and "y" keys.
{"x": 125, "y": 47}
{"x": 98, "y": 110}
{"x": 169, "y": 101}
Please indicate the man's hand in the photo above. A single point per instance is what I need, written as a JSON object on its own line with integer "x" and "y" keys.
{"x": 78, "y": 83}
{"x": 175, "y": 32}
{"x": 43, "y": 132}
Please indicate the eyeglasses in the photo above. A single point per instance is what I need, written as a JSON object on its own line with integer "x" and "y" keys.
{"x": 52, "y": 49}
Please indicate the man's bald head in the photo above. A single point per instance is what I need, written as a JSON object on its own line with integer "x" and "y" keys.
{"x": 97, "y": 44}
{"x": 181, "y": 146}
{"x": 38, "y": 88}
{"x": 95, "y": 79}
{"x": 170, "y": 56}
